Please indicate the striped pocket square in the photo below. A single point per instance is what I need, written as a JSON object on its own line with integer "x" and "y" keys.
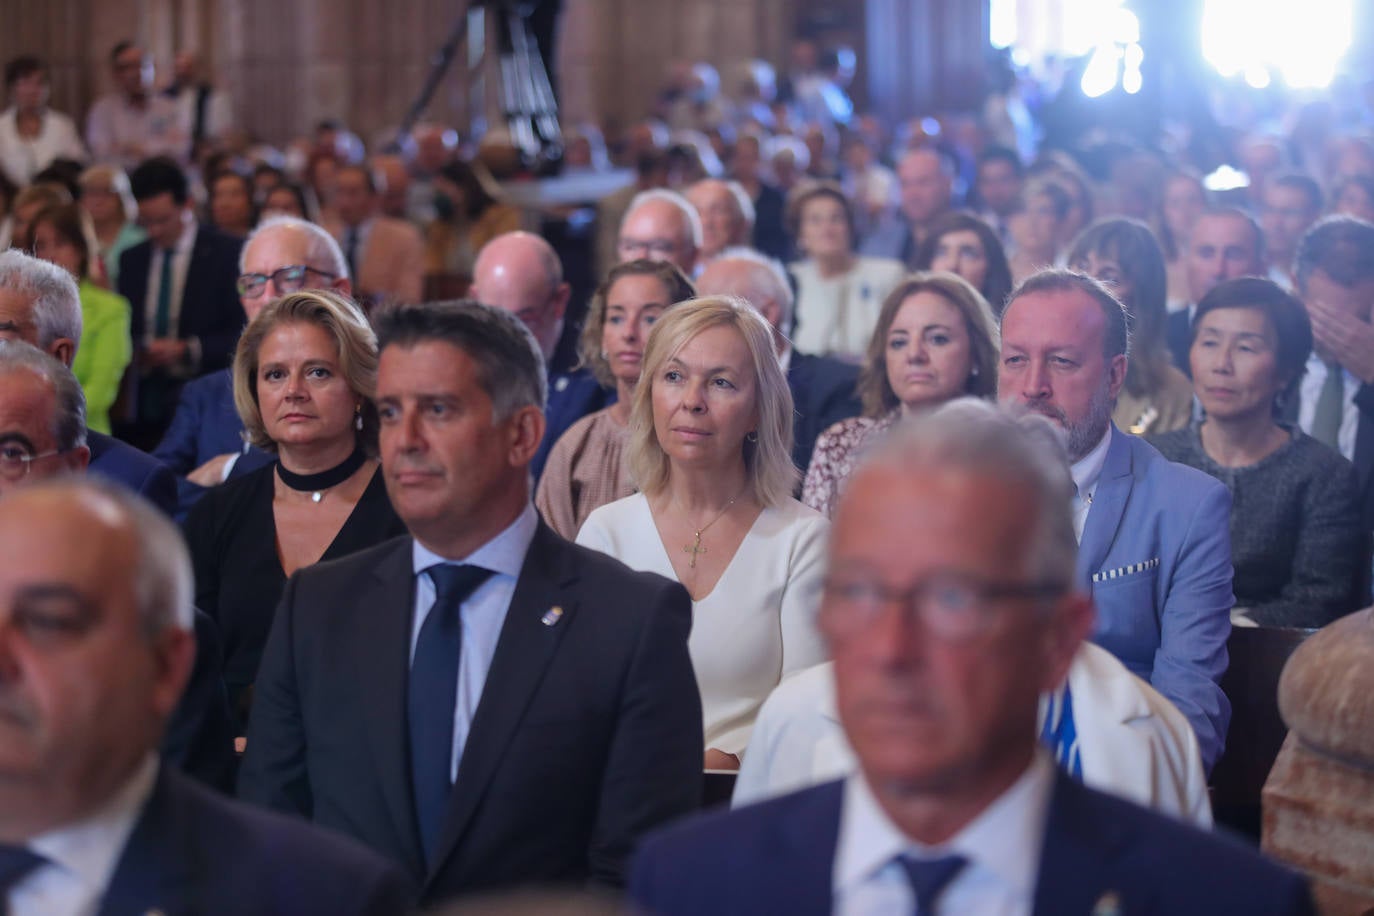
{"x": 1121, "y": 571}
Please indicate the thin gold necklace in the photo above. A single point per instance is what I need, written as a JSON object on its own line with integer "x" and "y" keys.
{"x": 695, "y": 547}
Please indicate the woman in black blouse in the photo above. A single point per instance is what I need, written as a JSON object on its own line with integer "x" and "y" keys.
{"x": 304, "y": 374}
{"x": 1295, "y": 538}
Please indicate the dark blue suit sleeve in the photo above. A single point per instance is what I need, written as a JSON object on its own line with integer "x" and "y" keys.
{"x": 653, "y": 771}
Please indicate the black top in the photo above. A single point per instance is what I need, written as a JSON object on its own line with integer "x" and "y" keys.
{"x": 239, "y": 580}
{"x": 1296, "y": 542}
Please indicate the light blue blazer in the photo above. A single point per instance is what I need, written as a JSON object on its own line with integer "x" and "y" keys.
{"x": 1156, "y": 558}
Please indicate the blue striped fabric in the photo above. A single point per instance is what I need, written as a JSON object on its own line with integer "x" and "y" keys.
{"x": 1059, "y": 733}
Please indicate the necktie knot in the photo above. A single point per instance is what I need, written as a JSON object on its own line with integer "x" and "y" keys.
{"x": 930, "y": 877}
{"x": 454, "y": 582}
{"x": 15, "y": 863}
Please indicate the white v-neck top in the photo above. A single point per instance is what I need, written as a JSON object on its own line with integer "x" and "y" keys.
{"x": 759, "y": 622}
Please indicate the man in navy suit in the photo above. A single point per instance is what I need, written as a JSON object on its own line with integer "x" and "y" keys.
{"x": 949, "y": 604}
{"x": 482, "y": 702}
{"x": 1226, "y": 243}
{"x": 185, "y": 316}
{"x": 204, "y": 443}
{"x": 823, "y": 389}
{"x": 96, "y": 645}
{"x": 40, "y": 305}
{"x": 520, "y": 273}
{"x": 1155, "y": 536}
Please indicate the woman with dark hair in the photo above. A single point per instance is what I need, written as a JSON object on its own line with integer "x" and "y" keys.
{"x": 587, "y": 467}
{"x": 231, "y": 204}
{"x": 1353, "y": 195}
{"x": 1296, "y": 543}
{"x": 286, "y": 199}
{"x": 1124, "y": 255}
{"x": 32, "y": 135}
{"x": 469, "y": 214}
{"x": 839, "y": 292}
{"x": 305, "y": 372}
{"x": 936, "y": 340}
{"x": 963, "y": 244}
{"x": 61, "y": 235}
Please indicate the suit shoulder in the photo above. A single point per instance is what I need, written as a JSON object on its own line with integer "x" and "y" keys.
{"x": 721, "y": 835}
{"x": 601, "y": 568}
{"x": 345, "y": 569}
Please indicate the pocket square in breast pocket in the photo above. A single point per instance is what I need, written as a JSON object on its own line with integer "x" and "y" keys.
{"x": 1120, "y": 572}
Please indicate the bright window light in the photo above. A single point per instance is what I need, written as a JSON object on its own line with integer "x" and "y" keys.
{"x": 1300, "y": 40}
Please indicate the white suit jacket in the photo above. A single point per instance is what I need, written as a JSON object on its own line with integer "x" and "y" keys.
{"x": 1134, "y": 743}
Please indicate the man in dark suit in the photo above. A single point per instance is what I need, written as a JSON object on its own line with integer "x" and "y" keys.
{"x": 96, "y": 645}
{"x": 520, "y": 273}
{"x": 205, "y": 441}
{"x": 40, "y": 305}
{"x": 948, "y": 605}
{"x": 483, "y": 702}
{"x": 1226, "y": 243}
{"x": 823, "y": 389}
{"x": 1334, "y": 270}
{"x": 185, "y": 316}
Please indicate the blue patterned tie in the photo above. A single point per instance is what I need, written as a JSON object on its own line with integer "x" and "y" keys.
{"x": 433, "y": 694}
{"x": 15, "y": 864}
{"x": 1059, "y": 733}
{"x": 930, "y": 877}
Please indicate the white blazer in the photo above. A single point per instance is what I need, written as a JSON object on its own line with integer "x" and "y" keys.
{"x": 1133, "y": 742}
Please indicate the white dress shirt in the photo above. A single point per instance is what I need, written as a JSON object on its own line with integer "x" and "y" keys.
{"x": 82, "y": 856}
{"x": 482, "y": 614}
{"x": 1002, "y": 846}
{"x": 23, "y": 157}
{"x": 181, "y": 265}
{"x": 1310, "y": 389}
{"x": 1085, "y": 472}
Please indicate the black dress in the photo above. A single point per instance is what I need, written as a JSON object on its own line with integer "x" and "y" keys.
{"x": 239, "y": 579}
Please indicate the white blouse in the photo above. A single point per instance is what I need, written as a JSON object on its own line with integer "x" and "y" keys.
{"x": 756, "y": 626}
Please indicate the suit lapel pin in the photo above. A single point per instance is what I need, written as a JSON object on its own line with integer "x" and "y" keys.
{"x": 552, "y": 616}
{"x": 1109, "y": 904}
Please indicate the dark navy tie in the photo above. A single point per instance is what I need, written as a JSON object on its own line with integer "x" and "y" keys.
{"x": 929, "y": 878}
{"x": 15, "y": 864}
{"x": 433, "y": 694}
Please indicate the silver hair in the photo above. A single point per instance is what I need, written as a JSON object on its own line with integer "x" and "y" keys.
{"x": 51, "y": 292}
{"x": 689, "y": 212}
{"x": 163, "y": 581}
{"x": 1022, "y": 448}
{"x": 69, "y": 417}
{"x": 774, "y": 284}
{"x": 322, "y": 252}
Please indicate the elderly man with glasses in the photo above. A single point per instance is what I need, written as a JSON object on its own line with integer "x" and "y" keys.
{"x": 204, "y": 442}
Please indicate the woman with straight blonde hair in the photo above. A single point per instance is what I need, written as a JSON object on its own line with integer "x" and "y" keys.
{"x": 710, "y": 449}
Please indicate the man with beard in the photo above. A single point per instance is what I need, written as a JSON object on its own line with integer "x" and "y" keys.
{"x": 1154, "y": 538}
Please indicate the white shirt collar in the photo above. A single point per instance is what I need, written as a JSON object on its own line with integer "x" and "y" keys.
{"x": 1087, "y": 469}
{"x": 88, "y": 850}
{"x": 503, "y": 554}
{"x": 1002, "y": 843}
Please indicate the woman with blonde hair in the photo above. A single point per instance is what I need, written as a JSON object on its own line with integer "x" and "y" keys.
{"x": 305, "y": 372}
{"x": 936, "y": 340}
{"x": 586, "y": 467}
{"x": 108, "y": 198}
{"x": 710, "y": 449}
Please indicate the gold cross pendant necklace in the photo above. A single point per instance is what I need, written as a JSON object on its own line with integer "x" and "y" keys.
{"x": 695, "y": 547}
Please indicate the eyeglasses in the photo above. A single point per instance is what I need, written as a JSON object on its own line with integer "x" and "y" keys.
{"x": 289, "y": 279}
{"x": 949, "y": 606}
{"x": 15, "y": 461}
{"x": 647, "y": 248}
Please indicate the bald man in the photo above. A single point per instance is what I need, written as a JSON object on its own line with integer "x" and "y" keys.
{"x": 520, "y": 273}
{"x": 925, "y": 179}
{"x": 727, "y": 215}
{"x": 661, "y": 226}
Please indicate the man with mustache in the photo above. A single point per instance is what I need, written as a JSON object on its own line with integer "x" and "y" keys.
{"x": 1154, "y": 537}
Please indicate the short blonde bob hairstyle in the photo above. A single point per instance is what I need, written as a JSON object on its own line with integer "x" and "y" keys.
{"x": 345, "y": 323}
{"x": 767, "y": 461}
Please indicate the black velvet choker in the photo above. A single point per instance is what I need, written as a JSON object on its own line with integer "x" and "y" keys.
{"x": 315, "y": 484}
